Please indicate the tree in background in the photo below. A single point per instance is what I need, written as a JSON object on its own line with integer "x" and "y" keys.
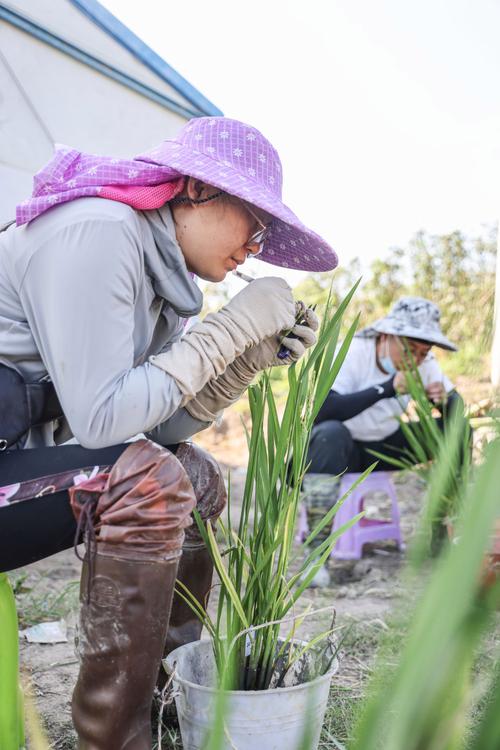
{"x": 459, "y": 275}
{"x": 455, "y": 272}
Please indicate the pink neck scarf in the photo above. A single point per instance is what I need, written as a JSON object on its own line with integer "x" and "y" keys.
{"x": 143, "y": 197}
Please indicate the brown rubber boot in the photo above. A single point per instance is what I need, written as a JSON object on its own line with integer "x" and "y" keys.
{"x": 195, "y": 572}
{"x": 134, "y": 520}
{"x": 195, "y": 567}
{"x": 121, "y": 642}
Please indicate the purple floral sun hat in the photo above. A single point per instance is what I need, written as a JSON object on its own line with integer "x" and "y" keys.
{"x": 236, "y": 158}
{"x": 225, "y": 153}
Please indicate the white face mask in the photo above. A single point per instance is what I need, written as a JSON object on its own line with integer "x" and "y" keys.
{"x": 386, "y": 360}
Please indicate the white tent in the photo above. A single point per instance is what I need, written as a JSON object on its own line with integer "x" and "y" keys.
{"x": 71, "y": 73}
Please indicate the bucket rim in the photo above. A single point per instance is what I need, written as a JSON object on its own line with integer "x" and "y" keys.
{"x": 204, "y": 688}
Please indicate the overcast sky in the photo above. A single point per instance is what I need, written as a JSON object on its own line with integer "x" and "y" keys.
{"x": 386, "y": 114}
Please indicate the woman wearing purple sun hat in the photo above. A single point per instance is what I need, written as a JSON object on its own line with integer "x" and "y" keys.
{"x": 97, "y": 283}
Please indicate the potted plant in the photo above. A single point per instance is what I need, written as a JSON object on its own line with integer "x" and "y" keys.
{"x": 272, "y": 685}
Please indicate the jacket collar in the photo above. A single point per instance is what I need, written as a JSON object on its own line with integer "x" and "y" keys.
{"x": 166, "y": 266}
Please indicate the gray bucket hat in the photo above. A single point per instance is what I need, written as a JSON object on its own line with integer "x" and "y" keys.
{"x": 415, "y": 318}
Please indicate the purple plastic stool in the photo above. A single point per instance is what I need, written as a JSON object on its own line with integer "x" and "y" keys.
{"x": 349, "y": 545}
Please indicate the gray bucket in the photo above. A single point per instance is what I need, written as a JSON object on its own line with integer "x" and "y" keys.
{"x": 275, "y": 719}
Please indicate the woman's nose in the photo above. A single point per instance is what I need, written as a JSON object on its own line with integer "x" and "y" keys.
{"x": 255, "y": 248}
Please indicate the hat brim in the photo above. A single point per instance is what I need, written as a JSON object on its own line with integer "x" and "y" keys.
{"x": 434, "y": 338}
{"x": 288, "y": 244}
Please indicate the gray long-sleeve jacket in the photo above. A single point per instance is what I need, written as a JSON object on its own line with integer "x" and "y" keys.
{"x": 88, "y": 291}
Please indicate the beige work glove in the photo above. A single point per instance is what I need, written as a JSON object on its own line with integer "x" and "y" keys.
{"x": 220, "y": 393}
{"x": 262, "y": 309}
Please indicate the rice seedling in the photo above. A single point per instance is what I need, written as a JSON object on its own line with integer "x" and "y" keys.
{"x": 431, "y": 442}
{"x": 425, "y": 702}
{"x": 36, "y": 733}
{"x": 257, "y": 593}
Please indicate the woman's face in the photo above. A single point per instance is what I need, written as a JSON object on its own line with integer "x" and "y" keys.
{"x": 396, "y": 346}
{"x": 214, "y": 236}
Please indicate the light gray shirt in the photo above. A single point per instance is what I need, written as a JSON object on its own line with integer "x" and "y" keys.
{"x": 88, "y": 291}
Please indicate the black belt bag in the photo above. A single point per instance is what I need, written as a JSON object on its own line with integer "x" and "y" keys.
{"x": 24, "y": 405}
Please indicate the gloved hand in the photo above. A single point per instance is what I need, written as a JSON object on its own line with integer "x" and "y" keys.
{"x": 220, "y": 393}
{"x": 262, "y": 309}
{"x": 265, "y": 354}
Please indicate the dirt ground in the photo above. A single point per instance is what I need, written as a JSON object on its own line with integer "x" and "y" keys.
{"x": 362, "y": 593}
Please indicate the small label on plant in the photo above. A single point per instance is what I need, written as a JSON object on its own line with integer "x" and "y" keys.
{"x": 249, "y": 639}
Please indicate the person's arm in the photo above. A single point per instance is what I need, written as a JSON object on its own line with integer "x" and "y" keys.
{"x": 78, "y": 295}
{"x": 437, "y": 385}
{"x": 343, "y": 406}
{"x": 452, "y": 402}
{"x": 179, "y": 427}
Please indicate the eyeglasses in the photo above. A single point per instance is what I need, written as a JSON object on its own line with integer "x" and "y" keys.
{"x": 259, "y": 237}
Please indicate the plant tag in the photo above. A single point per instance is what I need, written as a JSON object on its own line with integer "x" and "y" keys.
{"x": 249, "y": 640}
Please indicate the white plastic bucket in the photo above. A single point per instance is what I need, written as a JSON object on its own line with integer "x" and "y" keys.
{"x": 276, "y": 719}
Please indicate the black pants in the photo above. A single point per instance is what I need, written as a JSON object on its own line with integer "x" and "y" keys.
{"x": 33, "y": 529}
{"x": 333, "y": 450}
